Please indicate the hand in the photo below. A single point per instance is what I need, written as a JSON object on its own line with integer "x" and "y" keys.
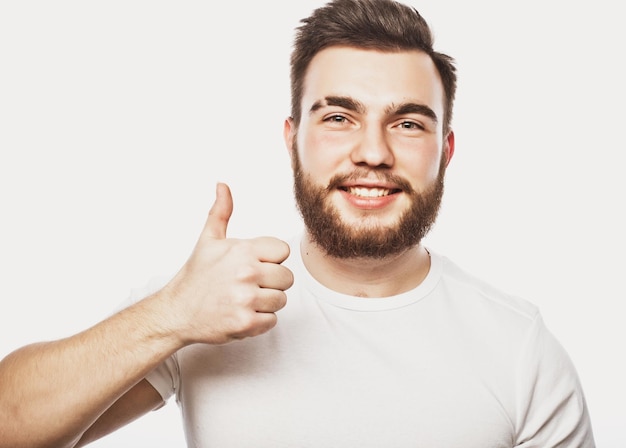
{"x": 228, "y": 289}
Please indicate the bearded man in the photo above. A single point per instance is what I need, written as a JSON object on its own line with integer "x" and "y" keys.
{"x": 352, "y": 334}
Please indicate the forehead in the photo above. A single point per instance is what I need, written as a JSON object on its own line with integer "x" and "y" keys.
{"x": 375, "y": 78}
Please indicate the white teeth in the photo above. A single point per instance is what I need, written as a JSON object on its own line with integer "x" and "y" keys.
{"x": 369, "y": 192}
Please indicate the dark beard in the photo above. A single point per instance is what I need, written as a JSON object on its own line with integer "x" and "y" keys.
{"x": 339, "y": 240}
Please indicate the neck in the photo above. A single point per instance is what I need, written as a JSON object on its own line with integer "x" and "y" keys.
{"x": 367, "y": 277}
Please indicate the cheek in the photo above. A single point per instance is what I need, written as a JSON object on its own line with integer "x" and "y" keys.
{"x": 431, "y": 169}
{"x": 320, "y": 155}
{"x": 422, "y": 167}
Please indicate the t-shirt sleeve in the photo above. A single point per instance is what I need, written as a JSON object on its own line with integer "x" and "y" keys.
{"x": 552, "y": 411}
{"x": 164, "y": 378}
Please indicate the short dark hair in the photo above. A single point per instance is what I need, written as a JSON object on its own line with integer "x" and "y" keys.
{"x": 384, "y": 25}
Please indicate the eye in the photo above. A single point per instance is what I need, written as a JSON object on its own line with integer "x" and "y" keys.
{"x": 410, "y": 125}
{"x": 337, "y": 122}
{"x": 336, "y": 119}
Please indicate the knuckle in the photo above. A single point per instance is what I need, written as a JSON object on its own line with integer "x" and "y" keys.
{"x": 247, "y": 322}
{"x": 242, "y": 248}
{"x": 244, "y": 297}
{"x": 247, "y": 273}
{"x": 269, "y": 322}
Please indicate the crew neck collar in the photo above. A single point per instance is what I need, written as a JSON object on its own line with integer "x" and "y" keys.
{"x": 349, "y": 302}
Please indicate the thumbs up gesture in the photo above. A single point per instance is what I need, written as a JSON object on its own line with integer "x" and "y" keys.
{"x": 228, "y": 289}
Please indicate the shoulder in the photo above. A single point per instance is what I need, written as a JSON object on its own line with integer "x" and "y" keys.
{"x": 471, "y": 291}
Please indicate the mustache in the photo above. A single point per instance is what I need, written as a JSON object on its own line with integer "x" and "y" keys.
{"x": 363, "y": 173}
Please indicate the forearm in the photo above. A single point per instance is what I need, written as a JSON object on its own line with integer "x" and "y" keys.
{"x": 52, "y": 392}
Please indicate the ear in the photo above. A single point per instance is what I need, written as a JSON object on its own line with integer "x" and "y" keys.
{"x": 289, "y": 132}
{"x": 448, "y": 146}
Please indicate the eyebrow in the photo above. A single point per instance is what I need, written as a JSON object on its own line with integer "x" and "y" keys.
{"x": 412, "y": 108}
{"x": 351, "y": 104}
{"x": 341, "y": 101}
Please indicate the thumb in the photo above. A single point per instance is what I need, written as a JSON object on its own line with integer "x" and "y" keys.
{"x": 220, "y": 213}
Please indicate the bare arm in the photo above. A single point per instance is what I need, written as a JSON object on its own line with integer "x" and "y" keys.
{"x": 142, "y": 398}
{"x": 52, "y": 393}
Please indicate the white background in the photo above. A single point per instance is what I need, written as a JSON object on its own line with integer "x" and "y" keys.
{"x": 117, "y": 119}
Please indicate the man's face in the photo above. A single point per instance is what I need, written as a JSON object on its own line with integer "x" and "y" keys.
{"x": 369, "y": 154}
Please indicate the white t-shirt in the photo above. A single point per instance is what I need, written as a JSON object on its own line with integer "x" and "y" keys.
{"x": 453, "y": 363}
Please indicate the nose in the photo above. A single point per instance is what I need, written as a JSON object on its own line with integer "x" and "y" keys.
{"x": 372, "y": 148}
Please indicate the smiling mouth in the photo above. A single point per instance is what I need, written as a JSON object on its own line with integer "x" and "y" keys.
{"x": 369, "y": 192}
